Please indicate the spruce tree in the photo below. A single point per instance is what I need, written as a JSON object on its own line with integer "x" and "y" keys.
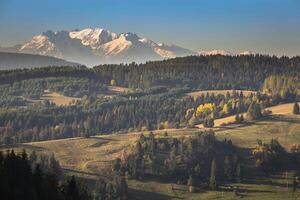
{"x": 213, "y": 175}
{"x": 254, "y": 111}
{"x": 190, "y": 184}
{"x": 72, "y": 192}
{"x": 241, "y": 118}
{"x": 237, "y": 118}
{"x": 109, "y": 191}
{"x": 227, "y": 169}
{"x": 100, "y": 189}
{"x": 296, "y": 109}
{"x": 238, "y": 173}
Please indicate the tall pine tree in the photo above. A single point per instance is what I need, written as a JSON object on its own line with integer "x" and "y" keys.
{"x": 296, "y": 109}
{"x": 213, "y": 175}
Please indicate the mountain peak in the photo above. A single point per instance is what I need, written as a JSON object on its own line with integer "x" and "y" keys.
{"x": 93, "y": 37}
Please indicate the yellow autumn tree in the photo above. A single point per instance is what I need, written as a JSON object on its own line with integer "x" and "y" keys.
{"x": 113, "y": 82}
{"x": 205, "y": 109}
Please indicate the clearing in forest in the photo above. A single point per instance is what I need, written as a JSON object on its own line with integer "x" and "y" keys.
{"x": 59, "y": 99}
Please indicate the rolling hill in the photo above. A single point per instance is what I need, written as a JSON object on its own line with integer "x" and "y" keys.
{"x": 20, "y": 61}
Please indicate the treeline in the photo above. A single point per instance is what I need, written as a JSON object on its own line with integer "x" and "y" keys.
{"x": 11, "y": 76}
{"x": 204, "y": 72}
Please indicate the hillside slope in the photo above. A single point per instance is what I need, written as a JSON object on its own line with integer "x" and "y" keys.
{"x": 20, "y": 61}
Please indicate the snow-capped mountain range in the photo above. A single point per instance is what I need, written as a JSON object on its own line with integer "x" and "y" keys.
{"x": 226, "y": 53}
{"x": 99, "y": 46}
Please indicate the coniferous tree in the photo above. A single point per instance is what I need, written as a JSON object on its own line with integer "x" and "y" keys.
{"x": 110, "y": 191}
{"x": 254, "y": 111}
{"x": 100, "y": 190}
{"x": 72, "y": 191}
{"x": 227, "y": 168}
{"x": 296, "y": 109}
{"x": 237, "y": 118}
{"x": 191, "y": 184}
{"x": 38, "y": 182}
{"x": 238, "y": 173}
{"x": 241, "y": 118}
{"x": 213, "y": 175}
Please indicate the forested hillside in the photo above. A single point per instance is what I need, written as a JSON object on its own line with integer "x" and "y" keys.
{"x": 204, "y": 72}
{"x": 157, "y": 100}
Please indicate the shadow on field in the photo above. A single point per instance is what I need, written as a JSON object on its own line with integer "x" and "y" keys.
{"x": 240, "y": 125}
{"x": 282, "y": 118}
{"x": 244, "y": 190}
{"x": 135, "y": 194}
{"x": 87, "y": 173}
{"x": 102, "y": 139}
{"x": 258, "y": 181}
{"x": 23, "y": 146}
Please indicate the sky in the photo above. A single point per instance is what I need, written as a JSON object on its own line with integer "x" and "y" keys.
{"x": 264, "y": 26}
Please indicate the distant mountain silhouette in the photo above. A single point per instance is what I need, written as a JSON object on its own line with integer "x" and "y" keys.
{"x": 20, "y": 60}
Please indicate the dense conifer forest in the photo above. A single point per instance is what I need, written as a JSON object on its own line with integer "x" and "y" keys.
{"x": 40, "y": 177}
{"x": 157, "y": 99}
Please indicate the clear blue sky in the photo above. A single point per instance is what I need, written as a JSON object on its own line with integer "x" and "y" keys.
{"x": 266, "y": 26}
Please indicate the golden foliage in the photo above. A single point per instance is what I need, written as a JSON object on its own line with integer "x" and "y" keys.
{"x": 205, "y": 108}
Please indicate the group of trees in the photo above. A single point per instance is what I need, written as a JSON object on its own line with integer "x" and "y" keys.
{"x": 35, "y": 178}
{"x": 270, "y": 157}
{"x": 283, "y": 87}
{"x": 39, "y": 177}
{"x": 117, "y": 188}
{"x": 198, "y": 161}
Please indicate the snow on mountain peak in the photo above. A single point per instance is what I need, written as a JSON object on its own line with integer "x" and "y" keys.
{"x": 246, "y": 53}
{"x": 149, "y": 42}
{"x": 115, "y": 46}
{"x": 40, "y": 44}
{"x": 216, "y": 52}
{"x": 93, "y": 37}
